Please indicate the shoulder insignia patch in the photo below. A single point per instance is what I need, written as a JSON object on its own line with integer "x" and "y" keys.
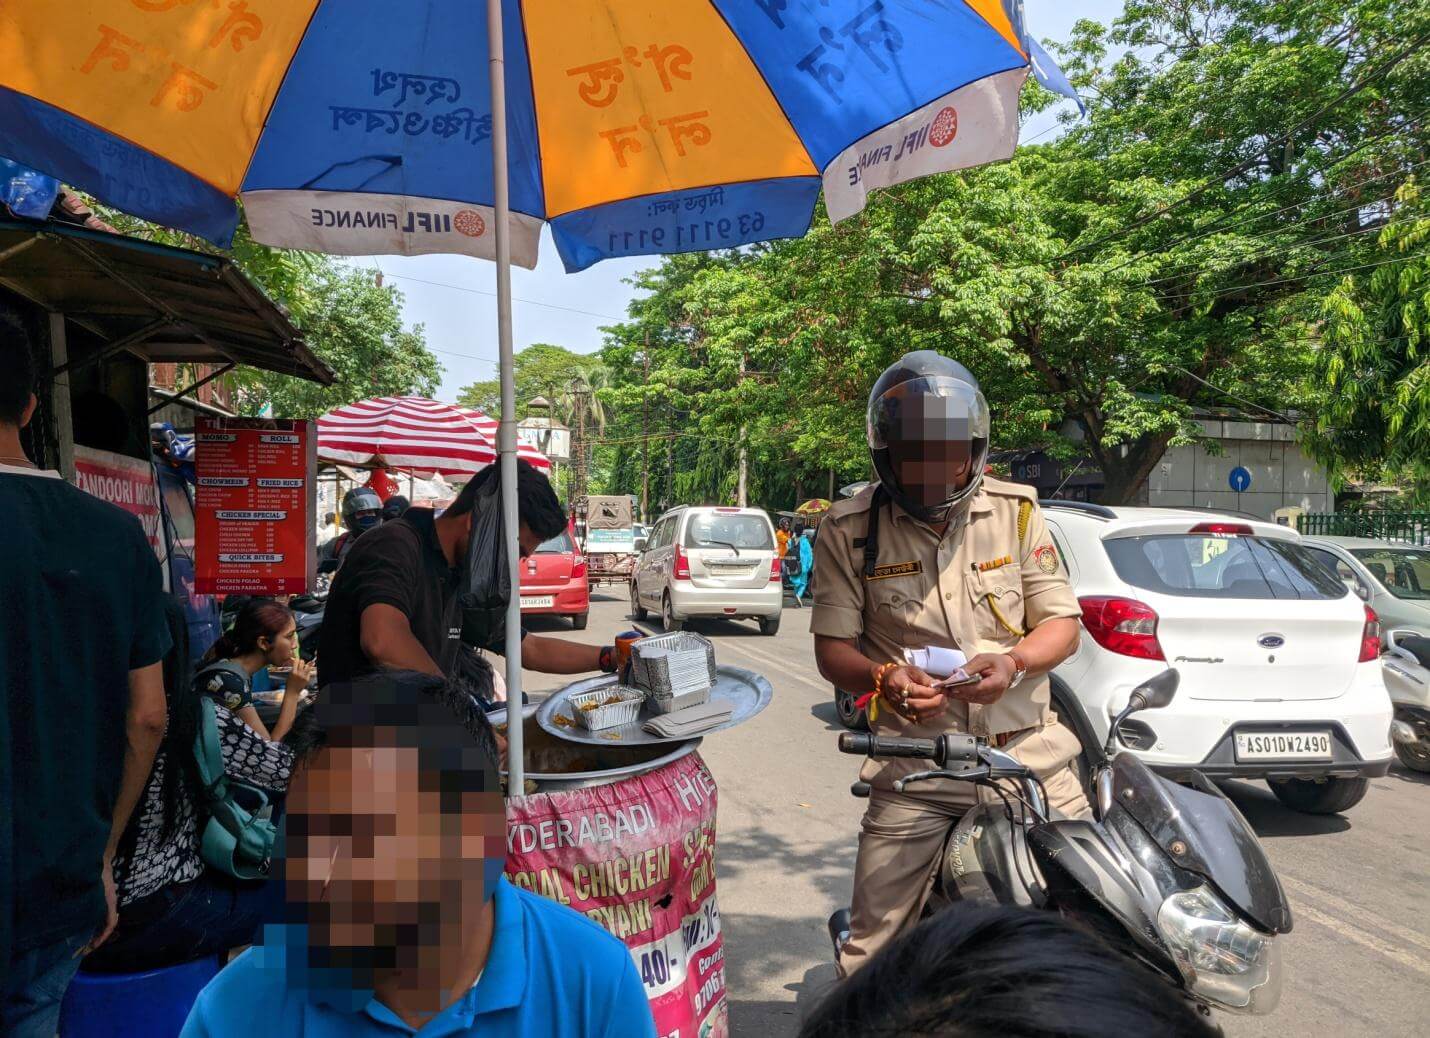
{"x": 1046, "y": 558}
{"x": 897, "y": 569}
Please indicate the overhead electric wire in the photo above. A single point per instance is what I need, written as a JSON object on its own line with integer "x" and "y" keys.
{"x": 1247, "y": 163}
{"x": 1221, "y": 224}
{"x": 1240, "y": 260}
{"x": 1195, "y": 297}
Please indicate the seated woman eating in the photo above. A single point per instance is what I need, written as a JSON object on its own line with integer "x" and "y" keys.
{"x": 264, "y": 634}
{"x": 173, "y": 908}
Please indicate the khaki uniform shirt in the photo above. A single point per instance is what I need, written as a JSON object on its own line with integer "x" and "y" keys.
{"x": 956, "y": 590}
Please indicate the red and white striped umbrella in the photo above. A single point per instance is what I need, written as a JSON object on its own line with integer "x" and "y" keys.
{"x": 413, "y": 434}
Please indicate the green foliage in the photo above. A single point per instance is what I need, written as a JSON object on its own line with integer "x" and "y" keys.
{"x": 345, "y": 318}
{"x": 356, "y": 327}
{"x": 1102, "y": 286}
{"x": 541, "y": 370}
{"x": 1374, "y": 360}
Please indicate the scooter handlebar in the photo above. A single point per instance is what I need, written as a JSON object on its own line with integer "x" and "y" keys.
{"x": 944, "y": 750}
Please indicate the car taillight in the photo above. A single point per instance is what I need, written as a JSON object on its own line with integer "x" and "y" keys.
{"x": 775, "y": 573}
{"x": 578, "y": 565}
{"x": 682, "y": 565}
{"x": 1370, "y": 637}
{"x": 1225, "y": 528}
{"x": 1122, "y": 625}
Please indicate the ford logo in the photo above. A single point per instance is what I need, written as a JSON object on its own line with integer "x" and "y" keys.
{"x": 1271, "y": 641}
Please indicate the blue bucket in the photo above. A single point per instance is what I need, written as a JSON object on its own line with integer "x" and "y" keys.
{"x": 119, "y": 1005}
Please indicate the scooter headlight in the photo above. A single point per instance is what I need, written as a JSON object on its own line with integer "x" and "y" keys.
{"x": 1223, "y": 960}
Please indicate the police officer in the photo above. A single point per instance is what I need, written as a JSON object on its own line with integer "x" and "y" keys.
{"x": 935, "y": 554}
{"x": 362, "y": 511}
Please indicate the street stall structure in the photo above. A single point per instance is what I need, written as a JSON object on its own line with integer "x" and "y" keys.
{"x": 102, "y": 308}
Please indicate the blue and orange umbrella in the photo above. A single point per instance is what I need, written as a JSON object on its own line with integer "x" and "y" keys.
{"x": 632, "y": 127}
{"x": 362, "y": 127}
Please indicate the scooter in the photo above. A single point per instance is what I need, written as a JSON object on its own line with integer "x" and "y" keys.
{"x": 1170, "y": 875}
{"x": 1406, "y": 667}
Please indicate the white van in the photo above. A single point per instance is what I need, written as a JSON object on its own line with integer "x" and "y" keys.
{"x": 706, "y": 561}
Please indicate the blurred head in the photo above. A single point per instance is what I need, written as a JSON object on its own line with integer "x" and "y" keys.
{"x": 394, "y": 506}
{"x": 784, "y": 525}
{"x": 798, "y": 528}
{"x": 362, "y": 510}
{"x": 17, "y": 373}
{"x": 397, "y": 826}
{"x": 928, "y": 432}
{"x": 972, "y": 971}
{"x": 263, "y": 625}
{"x": 538, "y": 510}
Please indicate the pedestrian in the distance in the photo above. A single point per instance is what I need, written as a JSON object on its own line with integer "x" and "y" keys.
{"x": 82, "y": 709}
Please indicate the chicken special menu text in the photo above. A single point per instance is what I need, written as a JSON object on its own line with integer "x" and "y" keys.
{"x": 255, "y": 506}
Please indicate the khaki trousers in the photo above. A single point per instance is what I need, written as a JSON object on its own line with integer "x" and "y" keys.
{"x": 902, "y": 835}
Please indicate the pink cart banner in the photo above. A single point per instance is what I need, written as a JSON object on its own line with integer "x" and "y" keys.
{"x": 638, "y": 857}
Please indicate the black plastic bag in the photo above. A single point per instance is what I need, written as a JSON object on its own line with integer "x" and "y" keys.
{"x": 487, "y": 594}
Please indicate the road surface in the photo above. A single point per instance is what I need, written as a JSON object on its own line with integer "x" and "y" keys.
{"x": 1357, "y": 962}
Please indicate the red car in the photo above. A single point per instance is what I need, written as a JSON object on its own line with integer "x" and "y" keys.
{"x": 553, "y": 580}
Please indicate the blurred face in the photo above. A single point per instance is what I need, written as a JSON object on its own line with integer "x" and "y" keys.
{"x": 384, "y": 854}
{"x": 934, "y": 471}
{"x": 280, "y": 650}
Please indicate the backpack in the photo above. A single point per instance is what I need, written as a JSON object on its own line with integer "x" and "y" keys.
{"x": 235, "y": 841}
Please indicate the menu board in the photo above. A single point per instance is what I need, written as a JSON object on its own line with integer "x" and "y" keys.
{"x": 255, "y": 512}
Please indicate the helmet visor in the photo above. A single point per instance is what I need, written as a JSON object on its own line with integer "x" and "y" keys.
{"x": 936, "y": 432}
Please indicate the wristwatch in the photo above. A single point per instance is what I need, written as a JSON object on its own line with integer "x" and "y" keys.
{"x": 1020, "y": 668}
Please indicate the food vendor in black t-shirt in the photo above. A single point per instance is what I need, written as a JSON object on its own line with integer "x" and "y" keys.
{"x": 394, "y": 604}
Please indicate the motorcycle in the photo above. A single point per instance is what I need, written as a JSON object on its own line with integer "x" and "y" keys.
{"x": 1170, "y": 875}
{"x": 1406, "y": 667}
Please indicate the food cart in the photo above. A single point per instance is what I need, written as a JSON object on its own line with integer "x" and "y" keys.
{"x": 620, "y": 826}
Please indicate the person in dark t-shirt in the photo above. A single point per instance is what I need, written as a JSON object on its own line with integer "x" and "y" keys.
{"x": 82, "y": 709}
{"x": 394, "y": 604}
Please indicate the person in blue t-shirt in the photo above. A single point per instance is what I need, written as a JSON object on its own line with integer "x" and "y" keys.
{"x": 398, "y": 917}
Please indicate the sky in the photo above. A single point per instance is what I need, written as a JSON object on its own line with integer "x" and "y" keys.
{"x": 454, "y": 297}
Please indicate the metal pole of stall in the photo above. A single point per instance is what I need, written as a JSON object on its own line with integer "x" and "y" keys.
{"x": 506, "y": 435}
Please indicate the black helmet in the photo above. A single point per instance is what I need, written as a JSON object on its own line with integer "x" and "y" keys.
{"x": 394, "y": 506}
{"x": 928, "y": 434}
{"x": 362, "y": 509}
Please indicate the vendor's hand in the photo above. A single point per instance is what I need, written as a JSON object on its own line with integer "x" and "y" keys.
{"x": 910, "y": 692}
{"x": 111, "y": 908}
{"x": 301, "y": 674}
{"x": 996, "y": 670}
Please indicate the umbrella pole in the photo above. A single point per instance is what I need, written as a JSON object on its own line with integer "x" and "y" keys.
{"x": 506, "y": 435}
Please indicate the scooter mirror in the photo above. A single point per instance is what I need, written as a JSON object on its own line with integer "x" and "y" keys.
{"x": 1159, "y": 691}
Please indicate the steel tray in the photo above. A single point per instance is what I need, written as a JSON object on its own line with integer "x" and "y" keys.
{"x": 747, "y": 693}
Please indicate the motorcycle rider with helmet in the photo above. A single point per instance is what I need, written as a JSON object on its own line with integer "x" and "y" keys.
{"x": 362, "y": 511}
{"x": 935, "y": 554}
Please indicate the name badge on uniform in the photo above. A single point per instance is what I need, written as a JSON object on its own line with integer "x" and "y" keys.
{"x": 897, "y": 569}
{"x": 998, "y": 563}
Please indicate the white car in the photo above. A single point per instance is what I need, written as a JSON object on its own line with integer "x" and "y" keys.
{"x": 1280, "y": 663}
{"x": 708, "y": 562}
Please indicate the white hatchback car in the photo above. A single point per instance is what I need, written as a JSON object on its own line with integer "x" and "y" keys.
{"x": 1281, "y": 676}
{"x": 707, "y": 562}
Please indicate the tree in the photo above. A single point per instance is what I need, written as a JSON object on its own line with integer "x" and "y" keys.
{"x": 541, "y": 370}
{"x": 1174, "y": 251}
{"x": 356, "y": 328}
{"x": 1374, "y": 360}
{"x": 346, "y": 319}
